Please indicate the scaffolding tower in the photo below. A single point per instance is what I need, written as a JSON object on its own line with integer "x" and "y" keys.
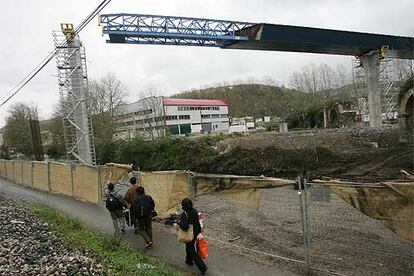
{"x": 74, "y": 96}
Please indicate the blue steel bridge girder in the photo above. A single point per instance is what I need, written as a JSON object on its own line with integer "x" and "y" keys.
{"x": 171, "y": 30}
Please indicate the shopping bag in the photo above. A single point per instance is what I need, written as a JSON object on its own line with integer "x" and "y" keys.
{"x": 185, "y": 236}
{"x": 202, "y": 248}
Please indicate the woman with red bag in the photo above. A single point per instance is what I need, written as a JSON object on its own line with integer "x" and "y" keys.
{"x": 190, "y": 216}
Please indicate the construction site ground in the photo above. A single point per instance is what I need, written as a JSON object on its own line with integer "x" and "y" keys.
{"x": 343, "y": 240}
{"x": 269, "y": 240}
{"x": 358, "y": 154}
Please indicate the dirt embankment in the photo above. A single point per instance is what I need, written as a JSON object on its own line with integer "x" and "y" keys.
{"x": 357, "y": 154}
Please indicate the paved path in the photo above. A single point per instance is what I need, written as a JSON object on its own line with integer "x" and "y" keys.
{"x": 220, "y": 262}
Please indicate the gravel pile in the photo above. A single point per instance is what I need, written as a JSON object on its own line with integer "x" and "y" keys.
{"x": 28, "y": 246}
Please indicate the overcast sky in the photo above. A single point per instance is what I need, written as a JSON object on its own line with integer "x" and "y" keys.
{"x": 26, "y": 38}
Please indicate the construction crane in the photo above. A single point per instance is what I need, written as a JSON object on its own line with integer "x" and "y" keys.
{"x": 186, "y": 31}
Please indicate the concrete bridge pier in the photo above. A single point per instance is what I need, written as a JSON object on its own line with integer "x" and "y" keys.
{"x": 371, "y": 66}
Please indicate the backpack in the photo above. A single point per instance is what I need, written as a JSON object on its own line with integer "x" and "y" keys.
{"x": 113, "y": 203}
{"x": 142, "y": 207}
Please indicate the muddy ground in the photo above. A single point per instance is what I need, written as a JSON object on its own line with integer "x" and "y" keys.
{"x": 343, "y": 240}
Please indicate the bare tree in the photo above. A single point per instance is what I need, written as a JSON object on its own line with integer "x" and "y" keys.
{"x": 17, "y": 133}
{"x": 322, "y": 78}
{"x": 401, "y": 69}
{"x": 342, "y": 76}
{"x": 297, "y": 81}
{"x": 268, "y": 80}
{"x": 106, "y": 94}
{"x": 306, "y": 79}
{"x": 326, "y": 78}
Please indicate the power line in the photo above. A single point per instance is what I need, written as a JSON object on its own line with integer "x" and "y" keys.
{"x": 48, "y": 58}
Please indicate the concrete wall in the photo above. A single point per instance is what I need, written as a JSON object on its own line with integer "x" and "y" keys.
{"x": 79, "y": 181}
{"x": 40, "y": 176}
{"x": 18, "y": 173}
{"x": 167, "y": 188}
{"x": 9, "y": 170}
{"x": 3, "y": 168}
{"x": 27, "y": 173}
{"x": 87, "y": 183}
{"x": 60, "y": 179}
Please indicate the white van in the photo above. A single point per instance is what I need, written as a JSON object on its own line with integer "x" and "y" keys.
{"x": 237, "y": 129}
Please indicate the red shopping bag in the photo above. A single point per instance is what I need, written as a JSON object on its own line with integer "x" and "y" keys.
{"x": 202, "y": 248}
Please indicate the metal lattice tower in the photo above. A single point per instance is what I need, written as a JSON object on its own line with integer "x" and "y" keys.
{"x": 389, "y": 90}
{"x": 74, "y": 96}
{"x": 359, "y": 87}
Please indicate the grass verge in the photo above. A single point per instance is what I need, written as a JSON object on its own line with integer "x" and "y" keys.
{"x": 115, "y": 254}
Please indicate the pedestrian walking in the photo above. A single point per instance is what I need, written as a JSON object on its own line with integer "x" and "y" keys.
{"x": 190, "y": 217}
{"x": 129, "y": 198}
{"x": 115, "y": 205}
{"x": 144, "y": 210}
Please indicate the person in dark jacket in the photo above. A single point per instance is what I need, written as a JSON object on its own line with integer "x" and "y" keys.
{"x": 129, "y": 198}
{"x": 144, "y": 216}
{"x": 190, "y": 216}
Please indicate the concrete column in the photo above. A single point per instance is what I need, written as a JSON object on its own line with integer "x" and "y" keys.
{"x": 371, "y": 65}
{"x": 283, "y": 128}
{"x": 325, "y": 118}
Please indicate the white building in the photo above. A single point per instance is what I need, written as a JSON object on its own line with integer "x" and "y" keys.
{"x": 156, "y": 116}
{"x": 247, "y": 121}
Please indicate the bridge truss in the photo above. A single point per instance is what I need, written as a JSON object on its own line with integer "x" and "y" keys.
{"x": 170, "y": 30}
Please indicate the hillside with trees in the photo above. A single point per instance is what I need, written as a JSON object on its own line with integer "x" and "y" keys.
{"x": 260, "y": 100}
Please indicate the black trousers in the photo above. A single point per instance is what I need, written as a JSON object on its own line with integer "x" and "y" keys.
{"x": 193, "y": 257}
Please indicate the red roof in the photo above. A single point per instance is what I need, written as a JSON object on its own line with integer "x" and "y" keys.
{"x": 194, "y": 102}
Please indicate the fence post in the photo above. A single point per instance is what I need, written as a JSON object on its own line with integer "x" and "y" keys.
{"x": 48, "y": 175}
{"x": 305, "y": 220}
{"x": 71, "y": 179}
{"x": 98, "y": 175}
{"x": 21, "y": 167}
{"x": 14, "y": 175}
{"x": 5, "y": 168}
{"x": 308, "y": 231}
{"x": 31, "y": 173}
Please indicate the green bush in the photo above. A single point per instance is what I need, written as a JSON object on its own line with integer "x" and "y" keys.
{"x": 200, "y": 155}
